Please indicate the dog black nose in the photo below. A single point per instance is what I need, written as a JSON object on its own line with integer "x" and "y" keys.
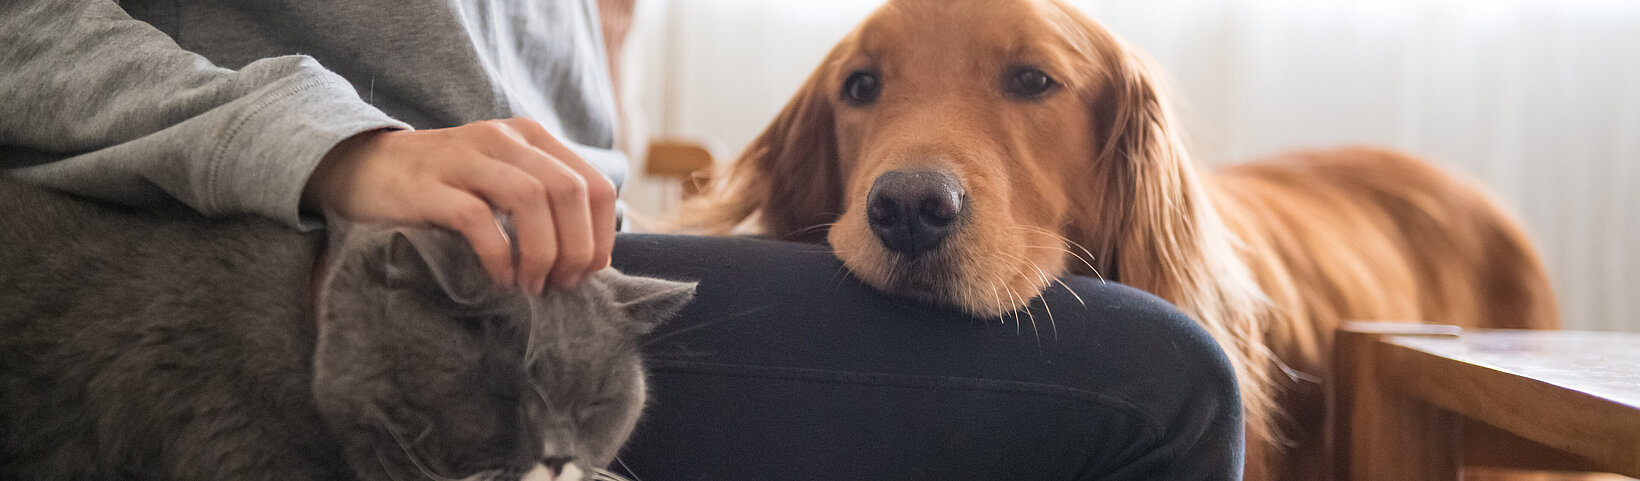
{"x": 912, "y": 211}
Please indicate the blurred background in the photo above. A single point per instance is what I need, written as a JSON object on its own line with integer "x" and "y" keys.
{"x": 1539, "y": 99}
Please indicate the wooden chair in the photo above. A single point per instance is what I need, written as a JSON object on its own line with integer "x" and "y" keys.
{"x": 689, "y": 162}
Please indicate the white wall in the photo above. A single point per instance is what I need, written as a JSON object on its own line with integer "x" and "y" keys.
{"x": 1538, "y": 98}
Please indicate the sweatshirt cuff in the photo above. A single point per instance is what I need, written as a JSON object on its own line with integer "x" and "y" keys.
{"x": 265, "y": 159}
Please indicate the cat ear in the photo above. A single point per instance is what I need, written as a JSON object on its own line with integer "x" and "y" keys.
{"x": 649, "y": 300}
{"x": 435, "y": 260}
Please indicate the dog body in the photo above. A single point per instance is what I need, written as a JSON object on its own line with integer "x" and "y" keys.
{"x": 1366, "y": 234}
{"x": 968, "y": 152}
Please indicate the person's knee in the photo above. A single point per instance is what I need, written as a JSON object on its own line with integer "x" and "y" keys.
{"x": 1170, "y": 371}
{"x": 1155, "y": 353}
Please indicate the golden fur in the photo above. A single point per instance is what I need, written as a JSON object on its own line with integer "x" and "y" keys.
{"x": 1093, "y": 179}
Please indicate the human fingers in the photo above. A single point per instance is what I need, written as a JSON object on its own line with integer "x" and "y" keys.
{"x": 600, "y": 192}
{"x": 471, "y": 216}
{"x": 564, "y": 194}
{"x": 514, "y": 191}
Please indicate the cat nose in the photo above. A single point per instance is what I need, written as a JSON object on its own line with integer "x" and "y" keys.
{"x": 555, "y": 464}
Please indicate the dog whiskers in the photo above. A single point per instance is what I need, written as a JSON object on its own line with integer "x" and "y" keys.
{"x": 1073, "y": 293}
{"x": 838, "y": 274}
{"x": 1002, "y": 315}
{"x": 1013, "y": 297}
{"x": 1052, "y": 324}
{"x": 1026, "y": 304}
{"x": 842, "y": 269}
{"x": 812, "y": 228}
{"x": 998, "y": 297}
{"x": 1043, "y": 276}
{"x": 1087, "y": 261}
{"x": 1046, "y": 282}
{"x": 1035, "y": 332}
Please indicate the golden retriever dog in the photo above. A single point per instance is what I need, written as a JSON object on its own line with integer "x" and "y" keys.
{"x": 968, "y": 152}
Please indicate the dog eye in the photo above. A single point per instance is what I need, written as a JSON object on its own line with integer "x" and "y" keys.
{"x": 861, "y": 88}
{"x": 1029, "y": 83}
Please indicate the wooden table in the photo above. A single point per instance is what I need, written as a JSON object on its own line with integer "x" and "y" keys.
{"x": 1418, "y": 402}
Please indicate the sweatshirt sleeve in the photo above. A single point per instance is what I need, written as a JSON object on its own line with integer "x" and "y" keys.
{"x": 107, "y": 106}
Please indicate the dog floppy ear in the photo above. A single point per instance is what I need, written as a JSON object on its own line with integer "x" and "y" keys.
{"x": 1167, "y": 229}
{"x": 792, "y": 165}
{"x": 1155, "y": 228}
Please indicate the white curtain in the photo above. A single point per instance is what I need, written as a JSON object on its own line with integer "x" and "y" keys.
{"x": 1540, "y": 99}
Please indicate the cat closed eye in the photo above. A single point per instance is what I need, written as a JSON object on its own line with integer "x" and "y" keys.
{"x": 590, "y": 410}
{"x": 476, "y": 325}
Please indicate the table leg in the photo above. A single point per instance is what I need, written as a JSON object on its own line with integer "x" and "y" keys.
{"x": 1380, "y": 434}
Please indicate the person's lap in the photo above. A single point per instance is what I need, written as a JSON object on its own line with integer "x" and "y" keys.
{"x": 787, "y": 368}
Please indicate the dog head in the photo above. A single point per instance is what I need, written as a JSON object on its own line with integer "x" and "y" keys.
{"x": 968, "y": 152}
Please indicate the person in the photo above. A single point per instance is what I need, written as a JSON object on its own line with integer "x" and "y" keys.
{"x": 440, "y": 112}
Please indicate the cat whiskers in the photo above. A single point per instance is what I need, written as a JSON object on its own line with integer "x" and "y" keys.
{"x": 410, "y": 454}
{"x": 385, "y": 468}
{"x": 540, "y": 391}
{"x": 531, "y": 355}
{"x": 601, "y": 474}
{"x": 720, "y": 320}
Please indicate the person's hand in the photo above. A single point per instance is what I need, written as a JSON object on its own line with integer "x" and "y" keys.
{"x": 561, "y": 207}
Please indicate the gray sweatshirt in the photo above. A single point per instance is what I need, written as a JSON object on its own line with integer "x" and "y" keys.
{"x": 228, "y": 105}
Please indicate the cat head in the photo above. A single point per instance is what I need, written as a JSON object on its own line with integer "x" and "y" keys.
{"x": 426, "y": 370}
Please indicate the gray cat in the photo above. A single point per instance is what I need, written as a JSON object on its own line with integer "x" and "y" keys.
{"x": 164, "y": 346}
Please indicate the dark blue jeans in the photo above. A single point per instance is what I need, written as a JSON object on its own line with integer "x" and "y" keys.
{"x": 786, "y": 368}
